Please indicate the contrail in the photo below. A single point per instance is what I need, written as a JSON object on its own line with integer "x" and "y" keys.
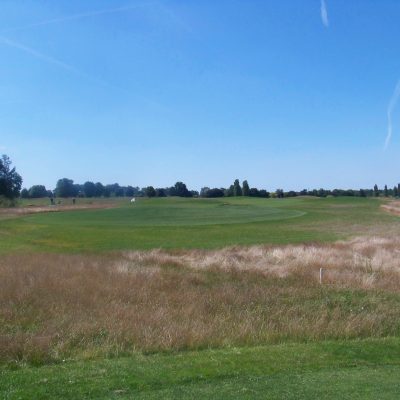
{"x": 391, "y": 106}
{"x": 37, "y": 54}
{"x": 76, "y": 16}
{"x": 70, "y": 68}
{"x": 324, "y": 14}
{"x": 51, "y": 60}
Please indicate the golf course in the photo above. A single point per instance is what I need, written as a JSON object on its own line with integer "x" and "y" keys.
{"x": 200, "y": 298}
{"x": 199, "y": 200}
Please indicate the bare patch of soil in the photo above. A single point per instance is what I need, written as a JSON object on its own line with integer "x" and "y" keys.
{"x": 21, "y": 211}
{"x": 392, "y": 207}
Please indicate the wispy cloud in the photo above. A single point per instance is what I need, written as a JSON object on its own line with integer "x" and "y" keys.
{"x": 77, "y": 17}
{"x": 54, "y": 61}
{"x": 324, "y": 14}
{"x": 71, "y": 69}
{"x": 391, "y": 106}
{"x": 37, "y": 54}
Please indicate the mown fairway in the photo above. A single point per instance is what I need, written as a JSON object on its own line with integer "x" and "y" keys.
{"x": 352, "y": 370}
{"x": 194, "y": 223}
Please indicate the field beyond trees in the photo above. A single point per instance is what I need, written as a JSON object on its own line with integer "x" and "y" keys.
{"x": 200, "y": 298}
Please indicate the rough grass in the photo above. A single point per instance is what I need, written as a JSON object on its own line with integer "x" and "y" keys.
{"x": 58, "y": 306}
{"x": 392, "y": 207}
{"x": 363, "y": 262}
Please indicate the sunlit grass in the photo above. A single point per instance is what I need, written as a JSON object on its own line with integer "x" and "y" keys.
{"x": 195, "y": 223}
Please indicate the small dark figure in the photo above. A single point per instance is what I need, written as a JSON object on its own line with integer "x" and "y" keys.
{"x": 52, "y": 201}
{"x": 73, "y": 201}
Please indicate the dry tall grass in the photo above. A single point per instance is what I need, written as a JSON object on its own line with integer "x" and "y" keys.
{"x": 393, "y": 207}
{"x": 12, "y": 212}
{"x": 55, "y": 306}
{"x": 364, "y": 262}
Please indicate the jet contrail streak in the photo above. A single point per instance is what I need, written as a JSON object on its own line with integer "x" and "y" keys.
{"x": 51, "y": 60}
{"x": 76, "y": 16}
{"x": 391, "y": 106}
{"x": 324, "y": 14}
{"x": 39, "y": 55}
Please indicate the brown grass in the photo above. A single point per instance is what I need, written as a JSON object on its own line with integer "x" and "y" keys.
{"x": 12, "y": 212}
{"x": 392, "y": 207}
{"x": 349, "y": 264}
{"x": 56, "y": 306}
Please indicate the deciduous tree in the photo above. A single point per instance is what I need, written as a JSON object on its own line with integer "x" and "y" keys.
{"x": 37, "y": 191}
{"x": 10, "y": 180}
{"x": 237, "y": 190}
{"x": 65, "y": 188}
{"x": 150, "y": 191}
{"x": 246, "y": 188}
{"x": 89, "y": 189}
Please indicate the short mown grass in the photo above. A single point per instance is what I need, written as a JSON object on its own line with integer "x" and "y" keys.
{"x": 353, "y": 370}
{"x": 194, "y": 223}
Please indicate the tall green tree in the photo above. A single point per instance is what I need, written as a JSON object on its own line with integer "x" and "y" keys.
{"x": 237, "y": 190}
{"x": 246, "y": 189}
{"x": 150, "y": 191}
{"x": 203, "y": 191}
{"x": 65, "y": 188}
{"x": 10, "y": 180}
{"x": 37, "y": 191}
{"x": 160, "y": 192}
{"x": 181, "y": 190}
{"x": 89, "y": 189}
{"x": 263, "y": 193}
{"x": 115, "y": 190}
{"x": 229, "y": 191}
{"x": 376, "y": 190}
{"x": 129, "y": 191}
{"x": 385, "y": 191}
{"x": 99, "y": 189}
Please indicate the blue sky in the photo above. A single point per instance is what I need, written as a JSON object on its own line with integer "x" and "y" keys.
{"x": 292, "y": 94}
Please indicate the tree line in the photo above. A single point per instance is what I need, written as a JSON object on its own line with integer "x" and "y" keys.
{"x": 11, "y": 183}
{"x": 67, "y": 188}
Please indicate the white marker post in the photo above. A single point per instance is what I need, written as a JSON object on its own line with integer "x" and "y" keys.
{"x": 321, "y": 274}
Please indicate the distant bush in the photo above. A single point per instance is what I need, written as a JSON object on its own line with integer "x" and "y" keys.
{"x": 215, "y": 192}
{"x": 37, "y": 191}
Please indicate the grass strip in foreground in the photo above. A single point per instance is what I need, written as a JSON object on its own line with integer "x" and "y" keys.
{"x": 367, "y": 369}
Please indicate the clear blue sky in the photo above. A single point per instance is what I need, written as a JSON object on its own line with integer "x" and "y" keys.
{"x": 291, "y": 94}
